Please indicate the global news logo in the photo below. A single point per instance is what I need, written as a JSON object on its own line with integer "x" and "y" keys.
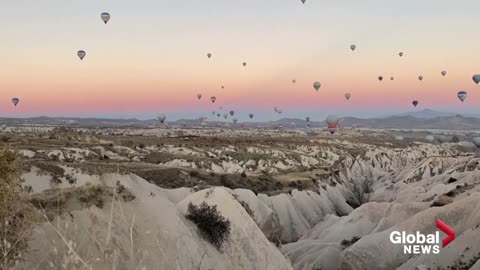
{"x": 419, "y": 243}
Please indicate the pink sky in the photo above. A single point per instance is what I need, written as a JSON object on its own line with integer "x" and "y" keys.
{"x": 153, "y": 58}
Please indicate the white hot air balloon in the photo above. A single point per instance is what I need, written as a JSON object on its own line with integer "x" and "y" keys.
{"x": 161, "y": 118}
{"x": 225, "y": 115}
{"x": 15, "y": 101}
{"x": 199, "y": 96}
{"x": 317, "y": 85}
{"x": 332, "y": 122}
{"x": 348, "y": 96}
{"x": 105, "y": 16}
{"x": 235, "y": 120}
{"x": 81, "y": 54}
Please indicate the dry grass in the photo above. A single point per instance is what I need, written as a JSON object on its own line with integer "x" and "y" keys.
{"x": 16, "y": 220}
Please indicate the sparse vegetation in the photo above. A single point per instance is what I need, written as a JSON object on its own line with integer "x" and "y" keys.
{"x": 346, "y": 243}
{"x": 16, "y": 219}
{"x": 247, "y": 208}
{"x": 91, "y": 194}
{"x": 212, "y": 225}
{"x": 5, "y": 138}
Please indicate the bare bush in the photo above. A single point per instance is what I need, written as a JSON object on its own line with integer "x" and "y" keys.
{"x": 213, "y": 226}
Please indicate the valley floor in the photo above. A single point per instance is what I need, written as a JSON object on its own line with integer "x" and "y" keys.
{"x": 295, "y": 199}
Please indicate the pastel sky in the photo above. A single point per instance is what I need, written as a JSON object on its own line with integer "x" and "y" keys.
{"x": 152, "y": 57}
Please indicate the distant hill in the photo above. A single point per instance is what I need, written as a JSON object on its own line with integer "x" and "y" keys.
{"x": 456, "y": 122}
{"x": 427, "y": 113}
{"x": 426, "y": 119}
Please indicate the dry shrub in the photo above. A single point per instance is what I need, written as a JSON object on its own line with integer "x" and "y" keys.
{"x": 212, "y": 225}
{"x": 16, "y": 219}
{"x": 91, "y": 194}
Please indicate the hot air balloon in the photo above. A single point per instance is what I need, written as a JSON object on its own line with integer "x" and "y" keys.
{"x": 213, "y": 113}
{"x": 462, "y": 95}
{"x": 392, "y": 78}
{"x": 15, "y": 101}
{"x": 232, "y": 113}
{"x": 199, "y": 96}
{"x": 223, "y": 87}
{"x": 105, "y": 16}
{"x": 332, "y": 122}
{"x": 353, "y": 47}
{"x": 415, "y": 103}
{"x": 430, "y": 138}
{"x": 348, "y": 96}
{"x": 400, "y": 54}
{"x": 235, "y": 120}
{"x": 294, "y": 81}
{"x": 244, "y": 64}
{"x": 213, "y": 99}
{"x": 476, "y": 78}
{"x": 444, "y": 73}
{"x": 225, "y": 115}
{"x": 380, "y": 78}
{"x": 307, "y": 119}
{"x": 209, "y": 55}
{"x": 476, "y": 141}
{"x": 161, "y": 118}
{"x": 275, "y": 109}
{"x": 303, "y": 1}
{"x": 420, "y": 78}
{"x": 218, "y": 115}
{"x": 81, "y": 54}
{"x": 251, "y": 116}
{"x": 316, "y": 85}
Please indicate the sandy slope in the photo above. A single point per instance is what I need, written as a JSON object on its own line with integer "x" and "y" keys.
{"x": 149, "y": 232}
